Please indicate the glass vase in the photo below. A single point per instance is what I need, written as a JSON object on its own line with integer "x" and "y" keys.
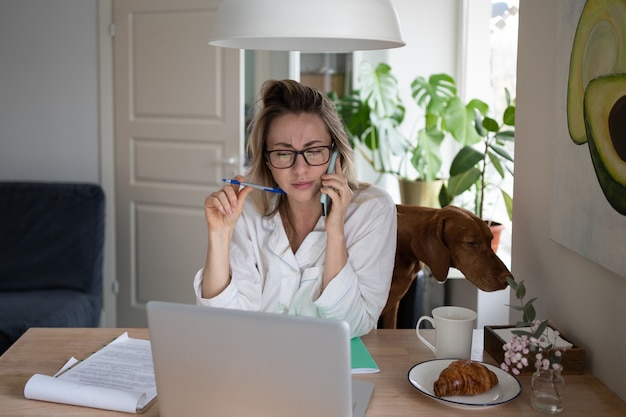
{"x": 547, "y": 391}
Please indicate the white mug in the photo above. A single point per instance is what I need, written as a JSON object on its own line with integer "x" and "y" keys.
{"x": 454, "y": 327}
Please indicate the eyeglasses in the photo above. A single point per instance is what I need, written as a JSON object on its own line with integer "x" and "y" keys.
{"x": 284, "y": 158}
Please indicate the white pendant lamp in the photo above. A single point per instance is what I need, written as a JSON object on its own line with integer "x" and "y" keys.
{"x": 307, "y": 25}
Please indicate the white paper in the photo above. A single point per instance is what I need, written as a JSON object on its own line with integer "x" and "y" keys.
{"x": 118, "y": 377}
{"x": 48, "y": 388}
{"x": 71, "y": 362}
{"x": 507, "y": 333}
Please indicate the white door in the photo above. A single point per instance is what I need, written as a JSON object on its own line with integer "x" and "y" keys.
{"x": 178, "y": 132}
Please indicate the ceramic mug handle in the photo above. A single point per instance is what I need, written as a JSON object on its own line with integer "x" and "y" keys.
{"x": 420, "y": 337}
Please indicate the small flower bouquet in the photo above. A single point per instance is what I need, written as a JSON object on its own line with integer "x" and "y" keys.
{"x": 536, "y": 343}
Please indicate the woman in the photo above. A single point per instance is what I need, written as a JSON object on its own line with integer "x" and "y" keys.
{"x": 276, "y": 252}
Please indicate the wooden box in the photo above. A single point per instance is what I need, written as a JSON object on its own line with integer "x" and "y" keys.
{"x": 573, "y": 359}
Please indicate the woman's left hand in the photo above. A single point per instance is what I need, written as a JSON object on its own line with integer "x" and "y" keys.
{"x": 340, "y": 193}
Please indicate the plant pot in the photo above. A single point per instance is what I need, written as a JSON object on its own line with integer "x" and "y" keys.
{"x": 420, "y": 193}
{"x": 496, "y": 229}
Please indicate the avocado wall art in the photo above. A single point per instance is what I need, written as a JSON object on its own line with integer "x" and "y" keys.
{"x": 596, "y": 94}
{"x": 588, "y": 209}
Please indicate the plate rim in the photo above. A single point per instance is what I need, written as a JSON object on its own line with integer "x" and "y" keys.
{"x": 459, "y": 403}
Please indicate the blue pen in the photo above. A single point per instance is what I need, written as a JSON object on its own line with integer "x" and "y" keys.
{"x": 257, "y": 186}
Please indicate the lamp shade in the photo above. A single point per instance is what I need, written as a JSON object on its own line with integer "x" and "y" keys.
{"x": 307, "y": 25}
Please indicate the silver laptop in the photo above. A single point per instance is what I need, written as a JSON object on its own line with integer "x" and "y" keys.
{"x": 222, "y": 362}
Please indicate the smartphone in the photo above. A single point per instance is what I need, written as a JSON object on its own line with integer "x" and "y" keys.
{"x": 324, "y": 199}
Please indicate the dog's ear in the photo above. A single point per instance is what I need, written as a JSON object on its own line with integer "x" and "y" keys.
{"x": 428, "y": 244}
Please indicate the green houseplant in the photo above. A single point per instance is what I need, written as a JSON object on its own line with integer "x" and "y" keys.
{"x": 374, "y": 116}
{"x": 473, "y": 166}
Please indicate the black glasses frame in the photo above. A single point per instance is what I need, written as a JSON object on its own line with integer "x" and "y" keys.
{"x": 296, "y": 153}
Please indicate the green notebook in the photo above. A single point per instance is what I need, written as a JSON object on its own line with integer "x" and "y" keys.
{"x": 362, "y": 361}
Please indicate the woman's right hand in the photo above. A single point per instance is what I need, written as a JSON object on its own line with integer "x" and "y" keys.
{"x": 223, "y": 207}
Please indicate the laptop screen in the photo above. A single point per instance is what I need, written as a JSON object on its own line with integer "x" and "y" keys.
{"x": 223, "y": 362}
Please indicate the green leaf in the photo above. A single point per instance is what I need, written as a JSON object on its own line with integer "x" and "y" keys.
{"x": 426, "y": 158}
{"x": 379, "y": 88}
{"x": 462, "y": 182}
{"x": 541, "y": 329}
{"x": 370, "y": 138}
{"x": 457, "y": 121}
{"x": 508, "y": 202}
{"x": 505, "y": 135}
{"x": 490, "y": 124}
{"x": 495, "y": 161}
{"x": 372, "y": 116}
{"x": 465, "y": 160}
{"x": 520, "y": 292}
{"x": 444, "y": 197}
{"x": 509, "y": 116}
{"x": 434, "y": 93}
{"x": 529, "y": 313}
{"x": 531, "y": 301}
{"x": 460, "y": 120}
{"x": 479, "y": 105}
{"x": 502, "y": 151}
{"x": 478, "y": 123}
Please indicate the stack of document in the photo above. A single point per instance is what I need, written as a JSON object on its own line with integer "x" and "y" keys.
{"x": 118, "y": 377}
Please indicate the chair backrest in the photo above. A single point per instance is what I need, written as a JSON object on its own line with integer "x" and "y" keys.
{"x": 51, "y": 236}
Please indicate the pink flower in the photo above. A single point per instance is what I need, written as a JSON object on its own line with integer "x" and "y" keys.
{"x": 524, "y": 343}
{"x": 518, "y": 350}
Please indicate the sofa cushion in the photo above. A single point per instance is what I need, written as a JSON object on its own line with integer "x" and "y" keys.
{"x": 51, "y": 236}
{"x": 20, "y": 310}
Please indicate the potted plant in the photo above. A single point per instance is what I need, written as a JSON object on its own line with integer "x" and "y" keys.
{"x": 374, "y": 114}
{"x": 443, "y": 110}
{"x": 485, "y": 153}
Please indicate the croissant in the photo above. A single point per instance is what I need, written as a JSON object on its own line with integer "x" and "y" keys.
{"x": 464, "y": 377}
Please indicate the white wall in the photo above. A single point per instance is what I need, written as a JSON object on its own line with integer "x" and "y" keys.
{"x": 50, "y": 103}
{"x": 431, "y": 31}
{"x": 582, "y": 298}
{"x": 49, "y": 90}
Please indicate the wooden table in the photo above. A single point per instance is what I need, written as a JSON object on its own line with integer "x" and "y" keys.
{"x": 396, "y": 351}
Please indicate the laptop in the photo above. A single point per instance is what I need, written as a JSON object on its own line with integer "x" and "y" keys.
{"x": 233, "y": 363}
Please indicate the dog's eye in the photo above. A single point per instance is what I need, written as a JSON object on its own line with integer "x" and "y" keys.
{"x": 472, "y": 244}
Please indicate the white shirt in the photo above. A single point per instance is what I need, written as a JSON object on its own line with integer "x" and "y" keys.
{"x": 268, "y": 276}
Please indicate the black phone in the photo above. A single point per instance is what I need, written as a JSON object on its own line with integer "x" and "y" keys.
{"x": 324, "y": 199}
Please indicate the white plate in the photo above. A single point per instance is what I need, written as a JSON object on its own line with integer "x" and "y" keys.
{"x": 423, "y": 375}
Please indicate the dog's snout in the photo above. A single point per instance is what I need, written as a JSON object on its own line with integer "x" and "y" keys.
{"x": 503, "y": 279}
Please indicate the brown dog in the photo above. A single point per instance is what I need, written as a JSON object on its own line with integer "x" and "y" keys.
{"x": 442, "y": 238}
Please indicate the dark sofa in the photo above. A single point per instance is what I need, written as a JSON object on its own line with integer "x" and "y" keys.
{"x": 51, "y": 254}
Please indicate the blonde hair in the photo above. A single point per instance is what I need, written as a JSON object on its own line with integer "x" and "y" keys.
{"x": 278, "y": 98}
